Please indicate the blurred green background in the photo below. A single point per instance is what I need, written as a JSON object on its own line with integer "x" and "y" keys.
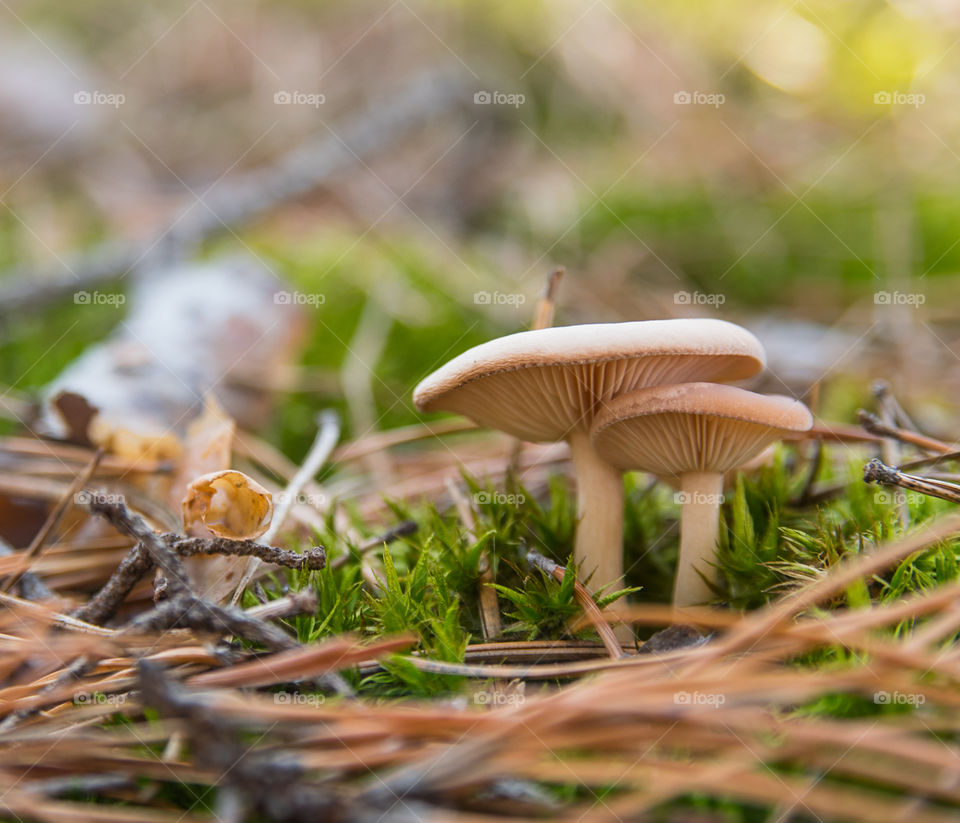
{"x": 780, "y": 164}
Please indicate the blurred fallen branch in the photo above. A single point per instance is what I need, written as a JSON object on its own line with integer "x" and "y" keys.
{"x": 245, "y": 197}
{"x": 875, "y": 425}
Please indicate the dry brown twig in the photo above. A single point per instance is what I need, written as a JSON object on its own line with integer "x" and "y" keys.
{"x": 875, "y": 425}
{"x": 876, "y": 471}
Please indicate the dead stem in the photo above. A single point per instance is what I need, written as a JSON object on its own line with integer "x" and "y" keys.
{"x": 875, "y": 425}
{"x": 590, "y": 608}
{"x": 877, "y": 472}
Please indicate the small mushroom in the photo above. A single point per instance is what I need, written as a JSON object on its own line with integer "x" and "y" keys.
{"x": 547, "y": 385}
{"x": 228, "y": 503}
{"x": 690, "y": 435}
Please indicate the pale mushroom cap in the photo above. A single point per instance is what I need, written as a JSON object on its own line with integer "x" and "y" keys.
{"x": 539, "y": 385}
{"x": 693, "y": 427}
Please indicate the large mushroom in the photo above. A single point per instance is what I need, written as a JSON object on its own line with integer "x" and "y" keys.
{"x": 690, "y": 435}
{"x": 548, "y": 385}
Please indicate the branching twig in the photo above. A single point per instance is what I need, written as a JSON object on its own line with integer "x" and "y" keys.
{"x": 136, "y": 527}
{"x": 137, "y": 563}
{"x": 885, "y": 397}
{"x": 105, "y": 603}
{"x": 187, "y": 611}
{"x": 315, "y": 558}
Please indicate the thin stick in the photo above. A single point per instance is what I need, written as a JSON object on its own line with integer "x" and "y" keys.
{"x": 407, "y": 527}
{"x": 874, "y": 425}
{"x": 364, "y": 351}
{"x": 884, "y": 394}
{"x": 877, "y": 472}
{"x": 931, "y": 461}
{"x": 64, "y": 621}
{"x": 302, "y": 602}
{"x": 542, "y": 319}
{"x": 546, "y": 307}
{"x": 320, "y": 451}
{"x": 835, "y": 433}
{"x": 31, "y": 586}
{"x": 35, "y": 549}
{"x": 591, "y": 610}
{"x": 377, "y": 441}
{"x": 816, "y": 461}
{"x": 105, "y": 603}
{"x": 890, "y": 448}
{"x": 315, "y": 558}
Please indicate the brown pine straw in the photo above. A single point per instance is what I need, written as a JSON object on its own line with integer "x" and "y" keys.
{"x": 722, "y": 720}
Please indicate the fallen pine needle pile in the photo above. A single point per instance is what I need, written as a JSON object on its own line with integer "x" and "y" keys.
{"x": 724, "y": 719}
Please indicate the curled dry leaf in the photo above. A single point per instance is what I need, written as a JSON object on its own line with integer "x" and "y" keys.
{"x": 229, "y": 504}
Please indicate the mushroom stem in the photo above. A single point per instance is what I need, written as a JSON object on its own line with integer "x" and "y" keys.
{"x": 701, "y": 493}
{"x": 598, "y": 550}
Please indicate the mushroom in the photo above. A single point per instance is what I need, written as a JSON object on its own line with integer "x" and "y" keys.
{"x": 691, "y": 434}
{"x": 547, "y": 385}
